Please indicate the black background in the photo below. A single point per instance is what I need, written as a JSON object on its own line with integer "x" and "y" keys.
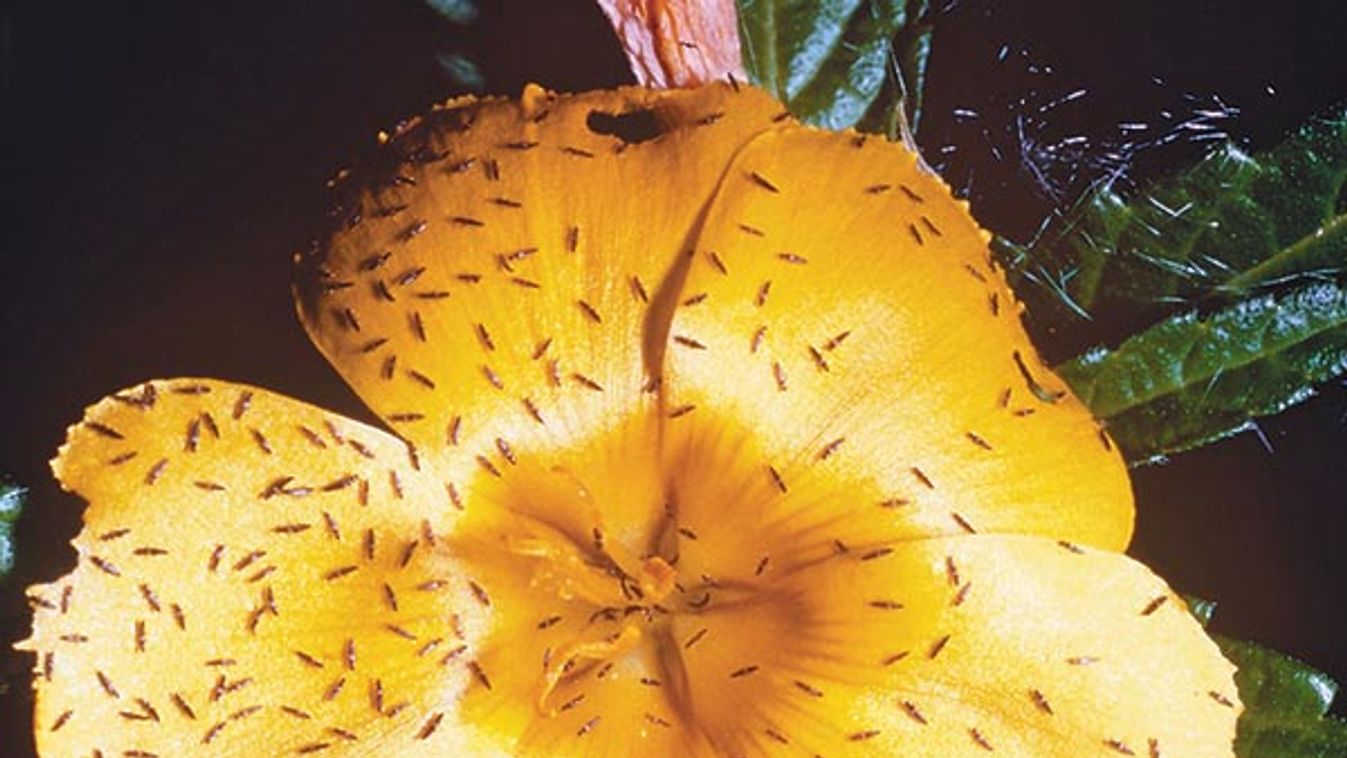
{"x": 163, "y": 160}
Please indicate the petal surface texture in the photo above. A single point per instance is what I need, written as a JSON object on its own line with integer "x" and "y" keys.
{"x": 877, "y": 352}
{"x": 956, "y": 647}
{"x": 504, "y": 276}
{"x": 255, "y": 577}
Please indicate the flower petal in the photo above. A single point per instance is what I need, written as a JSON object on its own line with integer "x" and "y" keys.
{"x": 960, "y": 646}
{"x": 678, "y": 44}
{"x": 498, "y": 278}
{"x": 255, "y": 577}
{"x": 879, "y": 354}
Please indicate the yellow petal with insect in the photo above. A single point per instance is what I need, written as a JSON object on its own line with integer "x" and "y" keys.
{"x": 955, "y": 647}
{"x": 1009, "y": 644}
{"x": 255, "y": 577}
{"x": 501, "y": 275}
{"x": 878, "y": 354}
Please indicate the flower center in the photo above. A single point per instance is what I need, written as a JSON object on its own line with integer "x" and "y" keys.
{"x": 668, "y": 599}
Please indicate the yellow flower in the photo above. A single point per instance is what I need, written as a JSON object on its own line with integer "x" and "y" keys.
{"x": 716, "y": 435}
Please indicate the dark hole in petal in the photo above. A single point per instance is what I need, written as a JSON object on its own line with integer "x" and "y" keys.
{"x": 631, "y": 127}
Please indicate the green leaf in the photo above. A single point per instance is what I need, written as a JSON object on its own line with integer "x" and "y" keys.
{"x": 1227, "y": 227}
{"x": 1286, "y": 704}
{"x": 1201, "y": 609}
{"x": 1326, "y": 738}
{"x": 461, "y": 71}
{"x": 1277, "y": 685}
{"x": 839, "y": 63}
{"x": 1285, "y": 701}
{"x": 1196, "y": 378}
{"x": 457, "y": 11}
{"x": 12, "y": 498}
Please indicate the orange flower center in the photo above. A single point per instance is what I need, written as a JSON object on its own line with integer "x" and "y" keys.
{"x": 680, "y": 591}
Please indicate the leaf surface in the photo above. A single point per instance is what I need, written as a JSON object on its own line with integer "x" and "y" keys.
{"x": 12, "y": 498}
{"x": 1232, "y": 225}
{"x": 1196, "y": 378}
{"x": 833, "y": 63}
{"x": 1286, "y": 705}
